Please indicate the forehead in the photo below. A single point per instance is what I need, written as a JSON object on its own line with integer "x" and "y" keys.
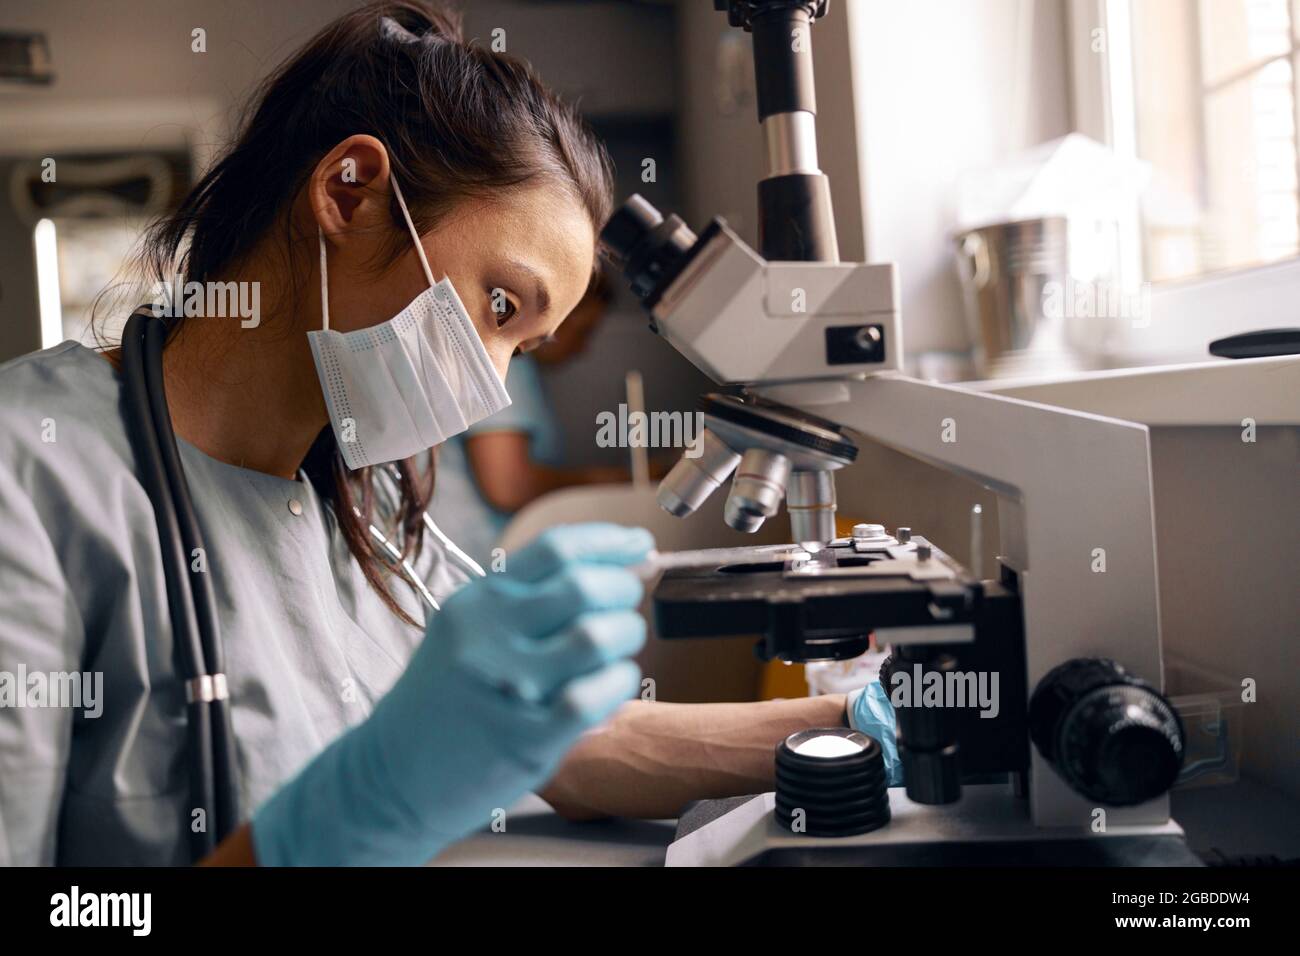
{"x": 543, "y": 227}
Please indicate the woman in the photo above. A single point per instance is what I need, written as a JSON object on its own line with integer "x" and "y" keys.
{"x": 385, "y": 154}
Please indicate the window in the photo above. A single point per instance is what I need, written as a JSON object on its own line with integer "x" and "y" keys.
{"x": 1214, "y": 104}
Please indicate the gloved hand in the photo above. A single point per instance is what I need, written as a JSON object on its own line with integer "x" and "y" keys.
{"x": 871, "y": 712}
{"x": 511, "y": 671}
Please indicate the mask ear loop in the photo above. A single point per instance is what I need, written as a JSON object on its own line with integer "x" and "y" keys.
{"x": 419, "y": 250}
{"x": 324, "y": 273}
{"x": 419, "y": 247}
{"x": 415, "y": 237}
{"x": 324, "y": 282}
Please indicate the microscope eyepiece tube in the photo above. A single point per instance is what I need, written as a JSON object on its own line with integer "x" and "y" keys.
{"x": 795, "y": 219}
{"x": 783, "y": 62}
{"x": 757, "y": 489}
{"x": 791, "y": 143}
{"x": 693, "y": 479}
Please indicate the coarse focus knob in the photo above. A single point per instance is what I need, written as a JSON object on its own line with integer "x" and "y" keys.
{"x": 1112, "y": 736}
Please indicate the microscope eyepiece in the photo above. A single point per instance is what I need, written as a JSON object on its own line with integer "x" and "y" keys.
{"x": 647, "y": 248}
{"x": 629, "y": 225}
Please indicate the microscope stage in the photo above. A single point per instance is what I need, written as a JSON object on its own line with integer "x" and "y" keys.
{"x": 838, "y": 591}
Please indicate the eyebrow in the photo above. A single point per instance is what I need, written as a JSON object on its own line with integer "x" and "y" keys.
{"x": 540, "y": 293}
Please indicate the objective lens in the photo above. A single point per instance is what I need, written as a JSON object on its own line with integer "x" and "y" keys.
{"x": 693, "y": 479}
{"x": 757, "y": 489}
{"x": 810, "y": 499}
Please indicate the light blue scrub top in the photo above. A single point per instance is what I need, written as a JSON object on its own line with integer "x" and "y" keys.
{"x": 309, "y": 645}
{"x": 458, "y": 505}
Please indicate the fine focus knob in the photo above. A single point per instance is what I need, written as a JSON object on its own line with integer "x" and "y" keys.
{"x": 1113, "y": 737}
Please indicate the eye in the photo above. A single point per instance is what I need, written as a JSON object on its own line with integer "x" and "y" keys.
{"x": 503, "y": 307}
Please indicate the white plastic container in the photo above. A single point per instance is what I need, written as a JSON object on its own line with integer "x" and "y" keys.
{"x": 840, "y": 677}
{"x": 1213, "y": 713}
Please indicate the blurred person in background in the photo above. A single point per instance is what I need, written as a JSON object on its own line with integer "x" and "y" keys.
{"x": 515, "y": 456}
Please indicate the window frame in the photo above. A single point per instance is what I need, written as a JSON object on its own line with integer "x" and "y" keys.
{"x": 1185, "y": 313}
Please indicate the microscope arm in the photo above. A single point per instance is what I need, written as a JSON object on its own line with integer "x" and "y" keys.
{"x": 1077, "y": 527}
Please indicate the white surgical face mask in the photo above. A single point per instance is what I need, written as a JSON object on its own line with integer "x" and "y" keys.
{"x": 408, "y": 384}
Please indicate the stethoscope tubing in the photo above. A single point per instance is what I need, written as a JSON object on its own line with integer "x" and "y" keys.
{"x": 225, "y": 782}
{"x": 190, "y": 599}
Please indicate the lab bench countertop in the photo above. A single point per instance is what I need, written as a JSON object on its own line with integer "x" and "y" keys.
{"x": 1245, "y": 819}
{"x": 535, "y": 835}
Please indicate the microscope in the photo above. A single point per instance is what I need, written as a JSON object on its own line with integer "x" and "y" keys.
{"x": 1075, "y": 765}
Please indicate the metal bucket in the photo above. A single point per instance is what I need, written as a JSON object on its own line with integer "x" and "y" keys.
{"x": 1005, "y": 270}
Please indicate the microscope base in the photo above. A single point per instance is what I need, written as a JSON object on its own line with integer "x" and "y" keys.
{"x": 987, "y": 827}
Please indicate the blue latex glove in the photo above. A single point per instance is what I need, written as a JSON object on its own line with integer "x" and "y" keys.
{"x": 871, "y": 712}
{"x": 511, "y": 671}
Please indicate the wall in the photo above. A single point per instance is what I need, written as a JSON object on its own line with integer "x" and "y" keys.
{"x": 610, "y": 57}
{"x": 125, "y": 76}
{"x": 141, "y": 48}
{"x": 1227, "y": 516}
{"x": 722, "y": 143}
{"x": 936, "y": 92}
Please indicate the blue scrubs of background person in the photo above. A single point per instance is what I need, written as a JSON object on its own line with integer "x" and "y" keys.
{"x": 460, "y": 507}
{"x": 501, "y": 464}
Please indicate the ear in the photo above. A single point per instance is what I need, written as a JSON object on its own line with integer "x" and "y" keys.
{"x": 349, "y": 189}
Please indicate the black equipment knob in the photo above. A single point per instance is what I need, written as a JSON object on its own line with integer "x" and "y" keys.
{"x": 927, "y": 736}
{"x": 932, "y": 777}
{"x": 1113, "y": 737}
{"x": 831, "y": 782}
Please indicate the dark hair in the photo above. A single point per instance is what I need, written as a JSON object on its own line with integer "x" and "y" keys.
{"x": 459, "y": 122}
{"x": 601, "y": 289}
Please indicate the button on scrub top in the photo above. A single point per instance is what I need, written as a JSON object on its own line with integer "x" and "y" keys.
{"x": 310, "y": 646}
